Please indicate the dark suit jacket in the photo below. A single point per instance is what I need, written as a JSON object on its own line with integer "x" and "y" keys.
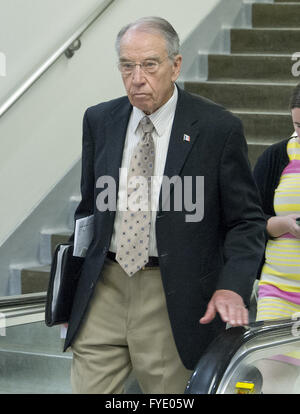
{"x": 222, "y": 251}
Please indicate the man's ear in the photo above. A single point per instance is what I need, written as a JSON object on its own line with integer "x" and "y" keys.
{"x": 177, "y": 61}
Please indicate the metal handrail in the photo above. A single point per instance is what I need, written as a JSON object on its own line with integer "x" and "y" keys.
{"x": 22, "y": 309}
{"x": 20, "y": 300}
{"x": 227, "y": 351}
{"x": 68, "y": 47}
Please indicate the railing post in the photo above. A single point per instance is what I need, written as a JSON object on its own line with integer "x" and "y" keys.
{"x": 72, "y": 49}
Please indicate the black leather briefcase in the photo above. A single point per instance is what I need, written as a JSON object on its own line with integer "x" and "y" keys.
{"x": 64, "y": 275}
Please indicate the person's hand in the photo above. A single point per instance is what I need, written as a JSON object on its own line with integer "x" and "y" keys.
{"x": 292, "y": 226}
{"x": 279, "y": 225}
{"x": 229, "y": 305}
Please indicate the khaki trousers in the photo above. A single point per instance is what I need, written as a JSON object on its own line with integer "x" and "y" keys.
{"x": 126, "y": 329}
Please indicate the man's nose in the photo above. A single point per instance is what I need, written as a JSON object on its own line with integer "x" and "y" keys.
{"x": 138, "y": 74}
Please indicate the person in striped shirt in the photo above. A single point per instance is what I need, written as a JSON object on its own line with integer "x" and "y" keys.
{"x": 277, "y": 173}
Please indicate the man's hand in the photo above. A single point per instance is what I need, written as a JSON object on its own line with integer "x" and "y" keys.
{"x": 230, "y": 306}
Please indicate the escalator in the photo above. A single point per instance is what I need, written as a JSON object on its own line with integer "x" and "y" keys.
{"x": 258, "y": 359}
{"x": 31, "y": 356}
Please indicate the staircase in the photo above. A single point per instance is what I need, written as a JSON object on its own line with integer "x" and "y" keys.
{"x": 34, "y": 277}
{"x": 31, "y": 356}
{"x": 255, "y": 80}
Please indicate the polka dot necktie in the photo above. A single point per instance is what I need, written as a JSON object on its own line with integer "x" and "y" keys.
{"x": 133, "y": 242}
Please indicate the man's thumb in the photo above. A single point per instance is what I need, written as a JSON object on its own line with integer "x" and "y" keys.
{"x": 209, "y": 314}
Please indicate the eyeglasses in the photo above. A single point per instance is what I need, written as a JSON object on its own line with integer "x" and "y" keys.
{"x": 148, "y": 66}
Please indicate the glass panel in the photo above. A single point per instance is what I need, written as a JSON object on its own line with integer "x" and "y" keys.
{"x": 32, "y": 361}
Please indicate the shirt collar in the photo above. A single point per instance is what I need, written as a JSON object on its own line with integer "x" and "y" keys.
{"x": 159, "y": 118}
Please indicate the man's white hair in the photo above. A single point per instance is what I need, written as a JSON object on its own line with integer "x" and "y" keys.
{"x": 156, "y": 25}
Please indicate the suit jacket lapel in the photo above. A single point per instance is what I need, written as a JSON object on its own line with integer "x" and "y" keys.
{"x": 185, "y": 123}
{"x": 116, "y": 128}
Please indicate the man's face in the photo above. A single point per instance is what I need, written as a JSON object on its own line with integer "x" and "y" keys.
{"x": 148, "y": 91}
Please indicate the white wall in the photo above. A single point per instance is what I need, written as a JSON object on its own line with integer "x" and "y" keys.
{"x": 30, "y": 29}
{"x": 41, "y": 135}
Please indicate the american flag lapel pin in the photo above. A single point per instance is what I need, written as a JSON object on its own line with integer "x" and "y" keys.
{"x": 186, "y": 138}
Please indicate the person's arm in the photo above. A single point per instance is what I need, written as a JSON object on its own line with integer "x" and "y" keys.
{"x": 265, "y": 171}
{"x": 264, "y": 175}
{"x": 245, "y": 233}
{"x": 279, "y": 225}
{"x": 86, "y": 206}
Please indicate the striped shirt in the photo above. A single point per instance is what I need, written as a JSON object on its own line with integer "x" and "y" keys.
{"x": 281, "y": 272}
{"x": 279, "y": 287}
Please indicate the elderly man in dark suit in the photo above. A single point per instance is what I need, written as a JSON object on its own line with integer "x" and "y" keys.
{"x": 158, "y": 284}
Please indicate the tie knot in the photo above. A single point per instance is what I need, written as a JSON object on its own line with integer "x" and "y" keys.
{"x": 146, "y": 124}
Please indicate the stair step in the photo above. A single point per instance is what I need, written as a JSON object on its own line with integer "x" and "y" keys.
{"x": 74, "y": 201}
{"x": 265, "y": 127}
{"x": 250, "y": 66}
{"x": 58, "y": 238}
{"x": 247, "y": 96}
{"x": 48, "y": 242}
{"x": 282, "y": 41}
{"x": 254, "y": 151}
{"x": 276, "y": 15}
{"x": 35, "y": 279}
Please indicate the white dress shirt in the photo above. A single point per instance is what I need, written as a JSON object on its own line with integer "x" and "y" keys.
{"x": 162, "y": 120}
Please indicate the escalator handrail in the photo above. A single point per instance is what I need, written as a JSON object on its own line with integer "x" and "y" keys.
{"x": 21, "y": 300}
{"x": 21, "y": 309}
{"x": 211, "y": 367}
